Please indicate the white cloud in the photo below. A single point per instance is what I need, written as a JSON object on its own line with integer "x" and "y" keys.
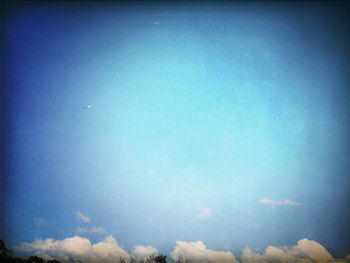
{"x": 109, "y": 250}
{"x": 197, "y": 252}
{"x": 204, "y": 213}
{"x": 305, "y": 251}
{"x": 82, "y": 217}
{"x": 250, "y": 256}
{"x": 76, "y": 248}
{"x": 93, "y": 230}
{"x": 285, "y": 201}
{"x": 142, "y": 252}
{"x": 80, "y": 249}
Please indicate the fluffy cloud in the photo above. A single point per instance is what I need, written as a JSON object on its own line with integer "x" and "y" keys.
{"x": 141, "y": 252}
{"x": 109, "y": 250}
{"x": 204, "y": 213}
{"x": 285, "y": 201}
{"x": 197, "y": 252}
{"x": 83, "y": 218}
{"x": 305, "y": 251}
{"x": 77, "y": 248}
{"x": 93, "y": 230}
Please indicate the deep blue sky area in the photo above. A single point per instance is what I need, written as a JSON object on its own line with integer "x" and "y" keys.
{"x": 220, "y": 122}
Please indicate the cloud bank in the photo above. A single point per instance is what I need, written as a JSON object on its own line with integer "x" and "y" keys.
{"x": 80, "y": 249}
{"x": 197, "y": 252}
{"x": 77, "y": 248}
{"x": 268, "y": 201}
{"x": 305, "y": 251}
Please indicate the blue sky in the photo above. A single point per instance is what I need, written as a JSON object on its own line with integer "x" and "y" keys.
{"x": 225, "y": 123}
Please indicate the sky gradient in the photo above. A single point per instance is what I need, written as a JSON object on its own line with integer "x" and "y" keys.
{"x": 224, "y": 123}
